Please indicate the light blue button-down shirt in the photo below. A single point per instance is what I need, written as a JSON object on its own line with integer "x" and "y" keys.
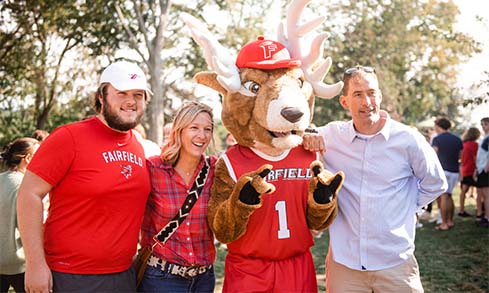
{"x": 388, "y": 177}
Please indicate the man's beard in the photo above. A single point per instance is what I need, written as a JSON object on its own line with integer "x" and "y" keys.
{"x": 115, "y": 122}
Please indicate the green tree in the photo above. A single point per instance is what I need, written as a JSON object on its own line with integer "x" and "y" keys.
{"x": 154, "y": 31}
{"x": 412, "y": 45}
{"x": 48, "y": 49}
{"x": 48, "y": 55}
{"x": 46, "y": 59}
{"x": 479, "y": 92}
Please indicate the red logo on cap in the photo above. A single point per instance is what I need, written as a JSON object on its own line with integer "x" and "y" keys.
{"x": 133, "y": 76}
{"x": 265, "y": 54}
{"x": 268, "y": 48}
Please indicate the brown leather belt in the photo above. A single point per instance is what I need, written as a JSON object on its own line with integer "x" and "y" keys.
{"x": 187, "y": 272}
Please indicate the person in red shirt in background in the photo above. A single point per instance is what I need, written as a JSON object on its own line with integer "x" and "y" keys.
{"x": 95, "y": 173}
{"x": 467, "y": 165}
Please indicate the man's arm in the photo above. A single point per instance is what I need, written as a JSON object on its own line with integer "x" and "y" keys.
{"x": 427, "y": 168}
{"x": 460, "y": 176}
{"x": 30, "y": 218}
{"x": 486, "y": 168}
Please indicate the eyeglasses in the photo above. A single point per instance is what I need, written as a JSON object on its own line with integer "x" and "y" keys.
{"x": 366, "y": 69}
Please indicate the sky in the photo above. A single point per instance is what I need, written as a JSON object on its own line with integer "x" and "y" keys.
{"x": 469, "y": 9}
{"x": 472, "y": 71}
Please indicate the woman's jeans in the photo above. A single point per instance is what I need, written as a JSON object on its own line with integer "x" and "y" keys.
{"x": 155, "y": 280}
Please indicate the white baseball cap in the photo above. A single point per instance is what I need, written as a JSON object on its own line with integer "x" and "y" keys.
{"x": 124, "y": 76}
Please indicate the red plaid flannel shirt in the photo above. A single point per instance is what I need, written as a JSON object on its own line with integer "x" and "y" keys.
{"x": 193, "y": 242}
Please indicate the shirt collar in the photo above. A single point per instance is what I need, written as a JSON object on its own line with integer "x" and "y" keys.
{"x": 385, "y": 131}
{"x": 352, "y": 133}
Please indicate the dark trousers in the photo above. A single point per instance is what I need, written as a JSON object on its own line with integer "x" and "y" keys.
{"x": 157, "y": 281}
{"x": 117, "y": 282}
{"x": 16, "y": 281}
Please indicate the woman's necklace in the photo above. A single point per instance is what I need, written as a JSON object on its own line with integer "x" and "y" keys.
{"x": 186, "y": 170}
{"x": 186, "y": 175}
{"x": 182, "y": 171}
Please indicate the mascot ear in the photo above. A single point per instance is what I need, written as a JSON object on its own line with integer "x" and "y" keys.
{"x": 209, "y": 79}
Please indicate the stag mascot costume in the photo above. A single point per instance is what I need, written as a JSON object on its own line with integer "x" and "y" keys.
{"x": 268, "y": 191}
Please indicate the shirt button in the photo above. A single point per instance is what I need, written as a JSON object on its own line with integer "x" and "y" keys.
{"x": 190, "y": 253}
{"x": 188, "y": 238}
{"x": 188, "y": 224}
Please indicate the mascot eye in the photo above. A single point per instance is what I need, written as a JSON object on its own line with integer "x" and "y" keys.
{"x": 252, "y": 86}
{"x": 300, "y": 81}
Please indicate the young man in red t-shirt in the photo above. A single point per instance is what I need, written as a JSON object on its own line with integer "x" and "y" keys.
{"x": 95, "y": 173}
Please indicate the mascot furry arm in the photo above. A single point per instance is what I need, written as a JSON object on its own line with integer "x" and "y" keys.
{"x": 268, "y": 98}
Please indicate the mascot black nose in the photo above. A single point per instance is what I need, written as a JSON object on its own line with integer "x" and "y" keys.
{"x": 291, "y": 114}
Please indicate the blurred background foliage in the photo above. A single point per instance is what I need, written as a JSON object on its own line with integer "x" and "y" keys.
{"x": 52, "y": 52}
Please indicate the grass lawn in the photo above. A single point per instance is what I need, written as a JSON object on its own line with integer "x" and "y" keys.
{"x": 449, "y": 261}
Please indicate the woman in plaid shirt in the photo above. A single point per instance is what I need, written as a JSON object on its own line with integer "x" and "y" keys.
{"x": 184, "y": 262}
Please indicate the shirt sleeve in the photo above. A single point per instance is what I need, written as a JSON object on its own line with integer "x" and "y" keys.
{"x": 485, "y": 144}
{"x": 428, "y": 170}
{"x": 54, "y": 157}
{"x": 435, "y": 142}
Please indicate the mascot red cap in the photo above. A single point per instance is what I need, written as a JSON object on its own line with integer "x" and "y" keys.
{"x": 265, "y": 54}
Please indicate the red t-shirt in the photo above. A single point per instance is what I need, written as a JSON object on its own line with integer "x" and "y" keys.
{"x": 278, "y": 229}
{"x": 469, "y": 152}
{"x": 100, "y": 186}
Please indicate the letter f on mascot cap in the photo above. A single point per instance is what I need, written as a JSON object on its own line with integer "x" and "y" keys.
{"x": 265, "y": 54}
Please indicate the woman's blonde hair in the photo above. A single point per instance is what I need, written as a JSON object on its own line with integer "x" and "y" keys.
{"x": 184, "y": 116}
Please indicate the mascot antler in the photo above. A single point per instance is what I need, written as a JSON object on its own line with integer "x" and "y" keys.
{"x": 314, "y": 66}
{"x": 216, "y": 56}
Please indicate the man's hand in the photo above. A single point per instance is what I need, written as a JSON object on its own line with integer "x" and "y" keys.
{"x": 313, "y": 143}
{"x": 38, "y": 278}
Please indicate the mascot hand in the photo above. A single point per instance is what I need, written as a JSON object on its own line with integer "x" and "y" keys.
{"x": 324, "y": 184}
{"x": 254, "y": 185}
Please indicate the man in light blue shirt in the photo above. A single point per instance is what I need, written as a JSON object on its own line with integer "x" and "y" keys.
{"x": 391, "y": 171}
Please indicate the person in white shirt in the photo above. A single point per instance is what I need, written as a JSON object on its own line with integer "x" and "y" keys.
{"x": 391, "y": 172}
{"x": 150, "y": 148}
{"x": 482, "y": 166}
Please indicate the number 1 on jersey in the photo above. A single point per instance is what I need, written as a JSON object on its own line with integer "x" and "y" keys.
{"x": 283, "y": 229}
